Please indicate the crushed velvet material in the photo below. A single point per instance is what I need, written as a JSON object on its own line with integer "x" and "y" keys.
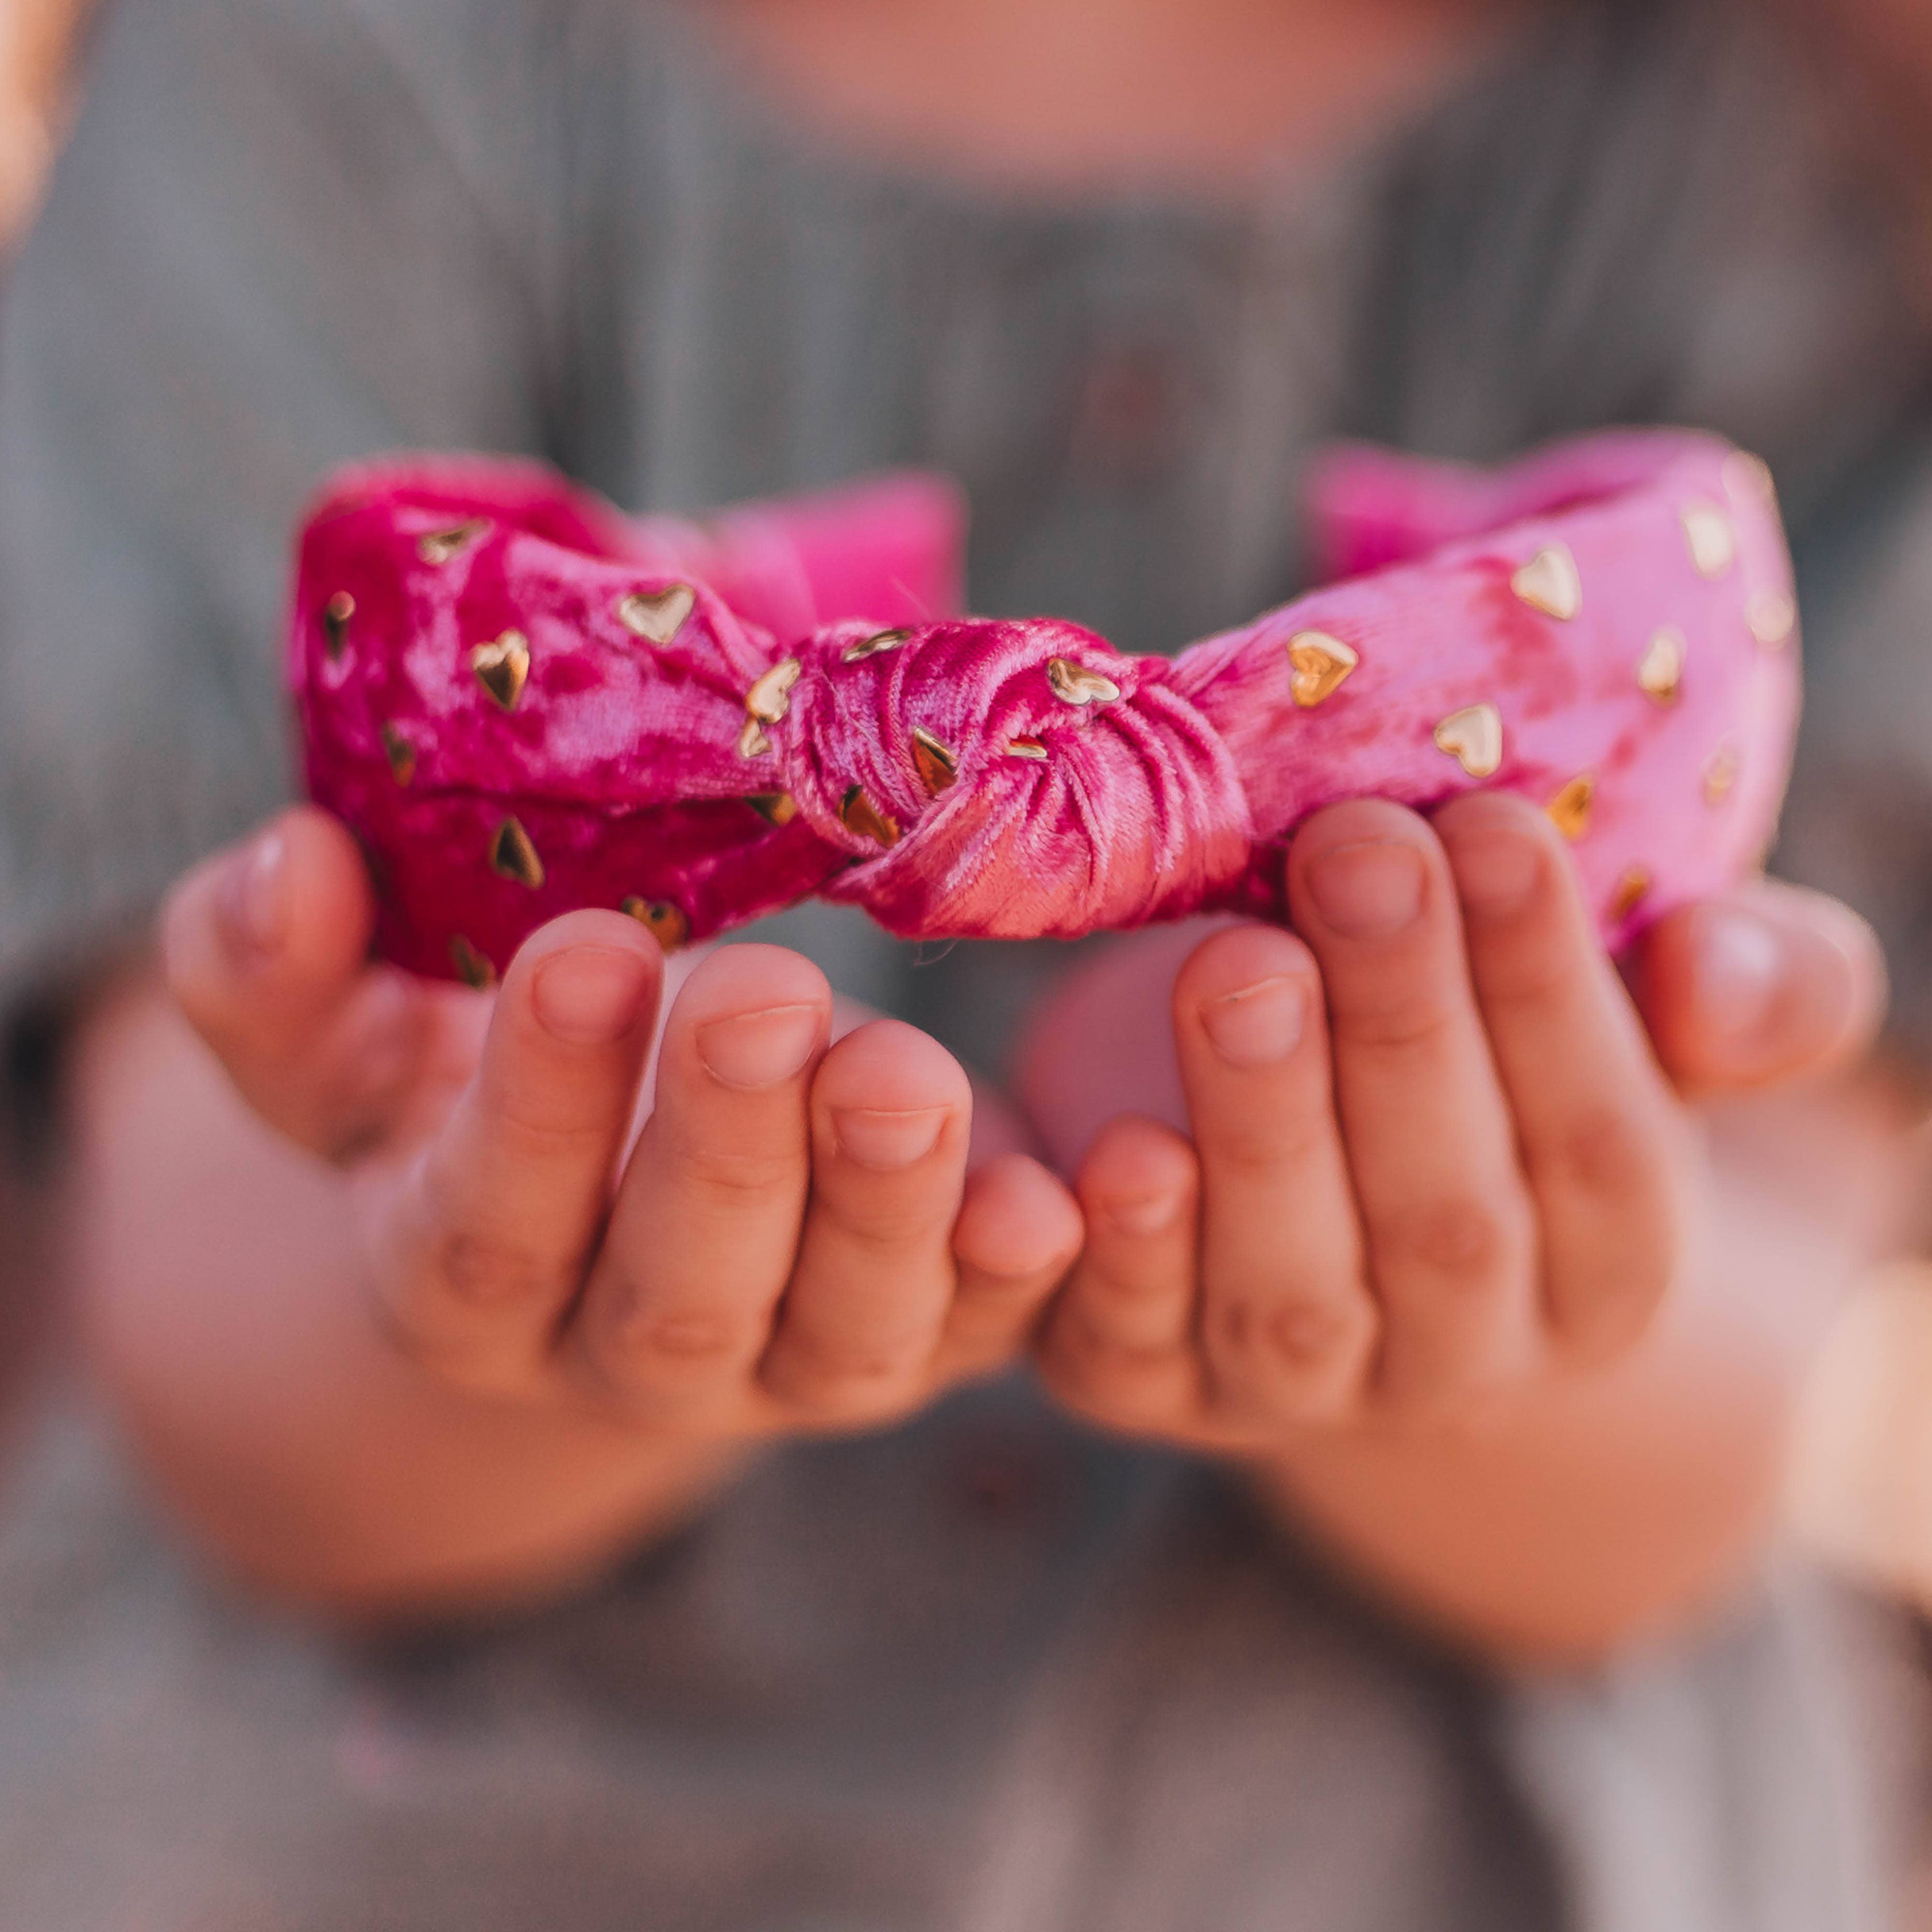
{"x": 625, "y": 761}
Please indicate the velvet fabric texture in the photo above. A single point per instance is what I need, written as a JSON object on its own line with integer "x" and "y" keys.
{"x": 523, "y": 702}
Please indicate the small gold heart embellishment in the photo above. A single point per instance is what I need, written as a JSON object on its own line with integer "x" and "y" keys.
{"x": 440, "y": 547}
{"x": 1714, "y": 543}
{"x": 1772, "y": 616}
{"x": 868, "y": 647}
{"x": 335, "y": 616}
{"x": 665, "y": 922}
{"x": 400, "y": 754}
{"x": 1570, "y": 809}
{"x": 656, "y": 616}
{"x": 1551, "y": 583}
{"x": 1026, "y": 747}
{"x": 1473, "y": 738}
{"x": 859, "y": 813}
{"x": 472, "y": 968}
{"x": 1632, "y": 889}
{"x": 513, "y": 855}
{"x": 937, "y": 768}
{"x": 1075, "y": 684}
{"x": 503, "y": 668}
{"x": 770, "y": 698}
{"x": 1661, "y": 670}
{"x": 1720, "y": 774}
{"x": 775, "y": 808}
{"x": 1321, "y": 663}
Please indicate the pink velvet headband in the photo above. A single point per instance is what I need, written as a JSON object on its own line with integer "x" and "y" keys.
{"x": 522, "y": 702}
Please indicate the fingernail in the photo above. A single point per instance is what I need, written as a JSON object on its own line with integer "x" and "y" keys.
{"x": 589, "y": 995}
{"x": 1147, "y": 1215}
{"x": 1258, "y": 1026}
{"x": 254, "y": 896}
{"x": 1371, "y": 890}
{"x": 1496, "y": 873}
{"x": 875, "y": 1138}
{"x": 1739, "y": 962}
{"x": 759, "y": 1049}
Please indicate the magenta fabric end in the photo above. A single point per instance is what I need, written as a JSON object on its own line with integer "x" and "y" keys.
{"x": 524, "y": 702}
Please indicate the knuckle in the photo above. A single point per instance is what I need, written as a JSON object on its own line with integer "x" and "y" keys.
{"x": 1299, "y": 1338}
{"x": 1401, "y": 1023}
{"x": 1260, "y": 1147}
{"x": 857, "y": 1383}
{"x": 1093, "y": 1347}
{"x": 486, "y": 1270}
{"x": 457, "y": 1358}
{"x": 743, "y": 1175}
{"x": 1602, "y": 1154}
{"x": 1462, "y": 1240}
{"x": 888, "y": 1231}
{"x": 691, "y": 1340}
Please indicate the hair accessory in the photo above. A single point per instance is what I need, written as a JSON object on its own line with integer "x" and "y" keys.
{"x": 523, "y": 702}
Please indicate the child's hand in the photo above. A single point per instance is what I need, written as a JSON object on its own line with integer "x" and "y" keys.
{"x": 794, "y": 1243}
{"x": 1433, "y": 1156}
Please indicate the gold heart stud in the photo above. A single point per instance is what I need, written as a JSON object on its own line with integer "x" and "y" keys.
{"x": 775, "y": 808}
{"x": 1661, "y": 670}
{"x": 1473, "y": 738}
{"x": 1631, "y": 889}
{"x": 1714, "y": 543}
{"x": 1075, "y": 684}
{"x": 503, "y": 668}
{"x": 1772, "y": 617}
{"x": 867, "y": 647}
{"x": 471, "y": 968}
{"x": 513, "y": 856}
{"x": 1026, "y": 747}
{"x": 1551, "y": 583}
{"x": 656, "y": 616}
{"x": 1720, "y": 774}
{"x": 439, "y": 547}
{"x": 937, "y": 768}
{"x": 665, "y": 922}
{"x": 1321, "y": 663}
{"x": 1570, "y": 809}
{"x": 859, "y": 813}
{"x": 335, "y": 616}
{"x": 400, "y": 754}
{"x": 770, "y": 698}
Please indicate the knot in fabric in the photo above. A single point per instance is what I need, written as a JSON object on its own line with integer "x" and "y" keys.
{"x": 1009, "y": 779}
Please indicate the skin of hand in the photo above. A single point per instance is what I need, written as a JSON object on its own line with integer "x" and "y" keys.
{"x": 1430, "y": 1234}
{"x": 791, "y": 1242}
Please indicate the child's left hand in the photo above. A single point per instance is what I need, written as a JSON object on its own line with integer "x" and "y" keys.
{"x": 1433, "y": 1154}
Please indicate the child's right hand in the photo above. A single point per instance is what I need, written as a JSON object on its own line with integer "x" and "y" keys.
{"x": 793, "y": 1242}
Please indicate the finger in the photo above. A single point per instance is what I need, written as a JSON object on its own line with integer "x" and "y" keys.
{"x": 1287, "y": 1322}
{"x": 1428, "y": 1140}
{"x": 487, "y": 1248}
{"x": 1759, "y": 986}
{"x": 1018, "y": 1232}
{"x": 264, "y": 948}
{"x": 1598, "y": 1131}
{"x": 891, "y": 1114}
{"x": 1118, "y": 1344}
{"x": 705, "y": 1233}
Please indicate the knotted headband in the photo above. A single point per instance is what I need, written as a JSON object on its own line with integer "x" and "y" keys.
{"x": 524, "y": 702}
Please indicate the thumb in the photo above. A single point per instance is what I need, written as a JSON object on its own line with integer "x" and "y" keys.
{"x": 265, "y": 948}
{"x": 1759, "y": 987}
